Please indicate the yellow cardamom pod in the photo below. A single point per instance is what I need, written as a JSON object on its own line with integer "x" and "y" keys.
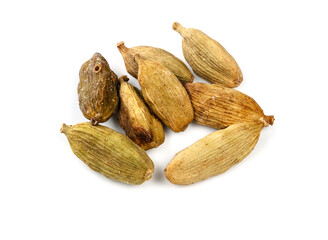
{"x": 168, "y": 60}
{"x": 213, "y": 154}
{"x": 164, "y": 94}
{"x": 220, "y": 107}
{"x": 207, "y": 58}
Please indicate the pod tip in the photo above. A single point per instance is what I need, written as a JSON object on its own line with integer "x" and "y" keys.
{"x": 121, "y": 47}
{"x": 97, "y": 55}
{"x": 94, "y": 122}
{"x": 64, "y": 128}
{"x": 177, "y": 27}
{"x": 149, "y": 174}
{"x": 192, "y": 78}
{"x": 187, "y": 85}
{"x": 267, "y": 120}
{"x": 169, "y": 176}
{"x": 165, "y": 171}
{"x": 238, "y": 80}
{"x": 123, "y": 79}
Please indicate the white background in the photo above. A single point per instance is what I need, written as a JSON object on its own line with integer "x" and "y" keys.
{"x": 278, "y": 192}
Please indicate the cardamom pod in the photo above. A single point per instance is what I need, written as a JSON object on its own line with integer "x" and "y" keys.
{"x": 164, "y": 94}
{"x": 97, "y": 90}
{"x": 207, "y": 58}
{"x": 213, "y": 154}
{"x": 159, "y": 55}
{"x": 110, "y": 153}
{"x": 135, "y": 118}
{"x": 220, "y": 107}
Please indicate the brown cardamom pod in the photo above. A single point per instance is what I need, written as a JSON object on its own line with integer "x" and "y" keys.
{"x": 220, "y": 107}
{"x": 213, "y": 154}
{"x": 164, "y": 94}
{"x": 97, "y": 90}
{"x": 135, "y": 118}
{"x": 207, "y": 58}
{"x": 159, "y": 55}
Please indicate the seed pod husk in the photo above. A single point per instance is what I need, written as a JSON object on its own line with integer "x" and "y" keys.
{"x": 207, "y": 58}
{"x": 220, "y": 107}
{"x": 110, "y": 153}
{"x": 213, "y": 154}
{"x": 139, "y": 124}
{"x": 159, "y": 55}
{"x": 164, "y": 94}
{"x": 97, "y": 90}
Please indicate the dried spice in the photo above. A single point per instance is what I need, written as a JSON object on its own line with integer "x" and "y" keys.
{"x": 97, "y": 90}
{"x": 220, "y": 107}
{"x": 139, "y": 124}
{"x": 164, "y": 94}
{"x": 168, "y": 97}
{"x": 207, "y": 58}
{"x": 111, "y": 153}
{"x": 213, "y": 154}
{"x": 159, "y": 55}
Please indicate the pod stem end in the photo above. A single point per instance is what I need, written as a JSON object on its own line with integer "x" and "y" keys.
{"x": 267, "y": 120}
{"x": 123, "y": 79}
{"x": 64, "y": 128}
{"x": 177, "y": 27}
{"x": 121, "y": 47}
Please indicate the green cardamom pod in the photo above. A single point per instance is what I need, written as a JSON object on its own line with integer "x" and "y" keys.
{"x": 110, "y": 153}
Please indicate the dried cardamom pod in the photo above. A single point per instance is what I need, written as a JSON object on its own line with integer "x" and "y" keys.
{"x": 207, "y": 58}
{"x": 220, "y": 107}
{"x": 139, "y": 124}
{"x": 164, "y": 94}
{"x": 97, "y": 90}
{"x": 111, "y": 153}
{"x": 213, "y": 154}
{"x": 161, "y": 56}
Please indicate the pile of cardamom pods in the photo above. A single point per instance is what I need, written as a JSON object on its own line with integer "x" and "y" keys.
{"x": 167, "y": 96}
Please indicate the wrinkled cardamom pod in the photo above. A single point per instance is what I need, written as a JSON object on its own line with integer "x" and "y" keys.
{"x": 161, "y": 56}
{"x": 135, "y": 118}
{"x": 213, "y": 154}
{"x": 97, "y": 90}
{"x": 220, "y": 107}
{"x": 164, "y": 94}
{"x": 111, "y": 153}
{"x": 207, "y": 58}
